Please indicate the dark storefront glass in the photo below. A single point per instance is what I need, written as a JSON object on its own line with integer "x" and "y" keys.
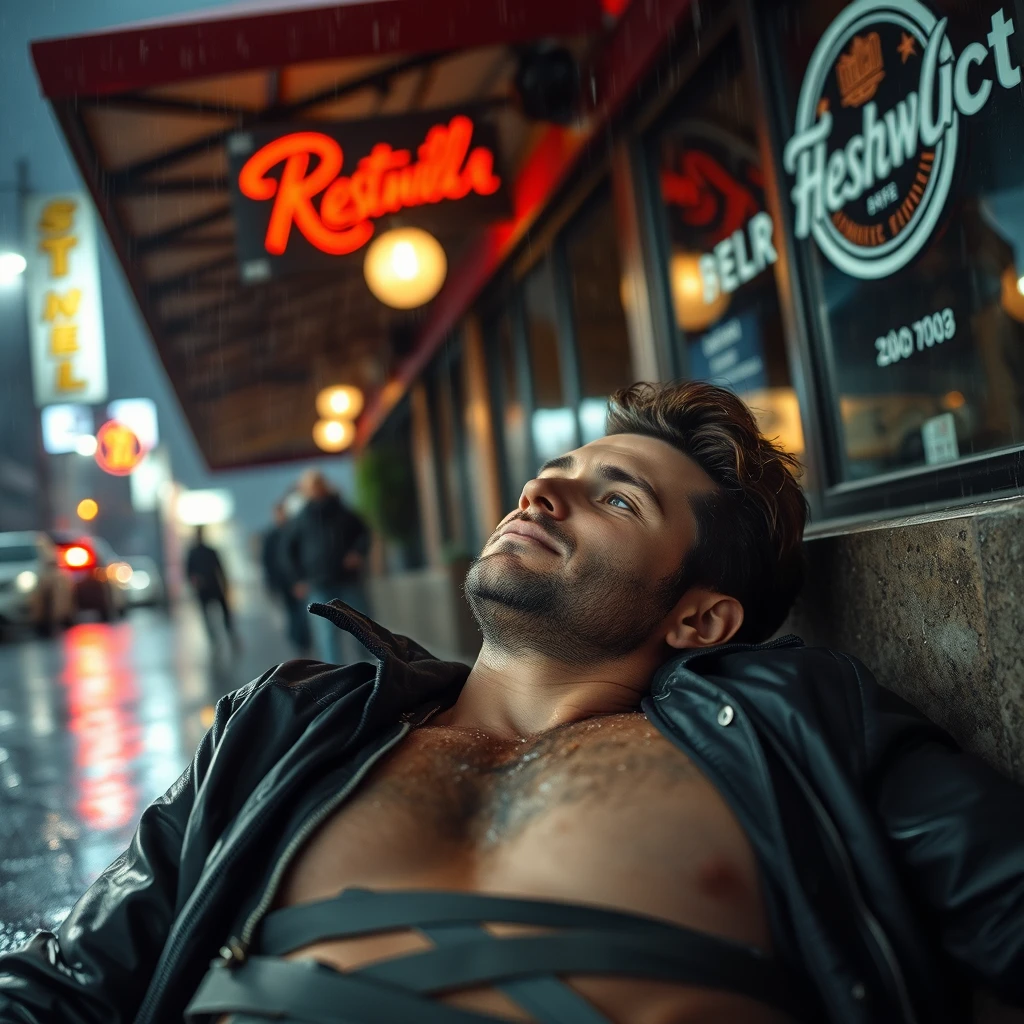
{"x": 386, "y": 486}
{"x": 602, "y": 339}
{"x": 464, "y": 480}
{"x": 446, "y": 409}
{"x": 553, "y": 422}
{"x": 514, "y": 425}
{"x": 722, "y": 244}
{"x": 904, "y": 172}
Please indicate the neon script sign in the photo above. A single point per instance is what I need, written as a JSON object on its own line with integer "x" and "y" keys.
{"x": 385, "y": 181}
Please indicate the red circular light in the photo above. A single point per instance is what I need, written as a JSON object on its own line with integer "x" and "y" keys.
{"x": 118, "y": 449}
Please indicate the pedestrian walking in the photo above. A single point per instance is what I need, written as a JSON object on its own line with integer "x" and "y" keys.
{"x": 206, "y": 574}
{"x": 279, "y": 583}
{"x": 325, "y": 548}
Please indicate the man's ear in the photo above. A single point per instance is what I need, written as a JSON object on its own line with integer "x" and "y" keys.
{"x": 703, "y": 618}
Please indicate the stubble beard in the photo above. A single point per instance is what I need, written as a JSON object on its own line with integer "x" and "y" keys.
{"x": 598, "y": 612}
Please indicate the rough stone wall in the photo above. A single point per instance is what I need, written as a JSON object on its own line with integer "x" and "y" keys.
{"x": 935, "y": 608}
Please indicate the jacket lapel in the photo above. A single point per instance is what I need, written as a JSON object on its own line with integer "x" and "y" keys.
{"x": 408, "y": 675}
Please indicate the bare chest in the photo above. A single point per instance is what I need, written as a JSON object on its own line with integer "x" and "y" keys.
{"x": 605, "y": 810}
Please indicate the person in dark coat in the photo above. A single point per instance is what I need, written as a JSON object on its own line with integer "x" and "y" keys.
{"x": 206, "y": 574}
{"x": 279, "y": 584}
{"x": 325, "y": 548}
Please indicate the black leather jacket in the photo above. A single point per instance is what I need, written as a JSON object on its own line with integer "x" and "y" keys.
{"x": 314, "y": 544}
{"x": 893, "y": 863}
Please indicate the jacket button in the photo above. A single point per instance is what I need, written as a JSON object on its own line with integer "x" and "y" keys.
{"x": 858, "y": 991}
{"x": 726, "y": 715}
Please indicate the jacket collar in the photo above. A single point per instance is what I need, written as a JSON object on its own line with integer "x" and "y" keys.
{"x": 408, "y": 675}
{"x": 685, "y": 659}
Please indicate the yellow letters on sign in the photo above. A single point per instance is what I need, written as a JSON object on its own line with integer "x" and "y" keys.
{"x": 57, "y": 249}
{"x": 64, "y": 339}
{"x": 65, "y": 305}
{"x": 66, "y": 379}
{"x": 57, "y": 217}
{"x": 63, "y": 299}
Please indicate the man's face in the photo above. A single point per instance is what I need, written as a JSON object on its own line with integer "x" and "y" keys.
{"x": 579, "y": 571}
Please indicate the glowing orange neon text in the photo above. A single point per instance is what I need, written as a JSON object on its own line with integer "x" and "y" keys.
{"x": 385, "y": 181}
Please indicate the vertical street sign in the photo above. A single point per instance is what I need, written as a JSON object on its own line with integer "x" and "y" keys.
{"x": 65, "y": 311}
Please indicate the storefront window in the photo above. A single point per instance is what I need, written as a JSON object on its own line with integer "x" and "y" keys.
{"x": 602, "y": 339}
{"x": 386, "y": 491}
{"x": 514, "y": 426}
{"x": 445, "y": 395}
{"x": 553, "y": 424}
{"x": 462, "y": 477}
{"x": 721, "y": 245}
{"x": 904, "y": 178}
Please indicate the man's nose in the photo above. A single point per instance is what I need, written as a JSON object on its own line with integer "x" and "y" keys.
{"x": 548, "y": 495}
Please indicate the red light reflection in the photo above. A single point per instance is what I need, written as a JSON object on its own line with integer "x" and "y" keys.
{"x": 101, "y": 699}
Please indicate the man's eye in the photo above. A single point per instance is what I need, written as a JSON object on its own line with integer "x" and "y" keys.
{"x": 618, "y": 497}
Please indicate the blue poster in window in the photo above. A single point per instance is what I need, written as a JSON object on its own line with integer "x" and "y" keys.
{"x": 730, "y": 354}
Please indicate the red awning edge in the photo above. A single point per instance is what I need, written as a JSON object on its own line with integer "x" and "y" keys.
{"x": 160, "y": 53}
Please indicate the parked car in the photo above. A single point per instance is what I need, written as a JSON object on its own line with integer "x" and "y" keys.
{"x": 33, "y": 591}
{"x": 92, "y": 567}
{"x": 144, "y": 586}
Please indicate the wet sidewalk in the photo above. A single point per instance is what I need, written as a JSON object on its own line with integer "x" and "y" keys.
{"x": 94, "y": 724}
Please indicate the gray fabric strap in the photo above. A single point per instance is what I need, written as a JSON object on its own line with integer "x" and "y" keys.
{"x": 588, "y": 941}
{"x": 549, "y": 1000}
{"x": 305, "y": 992}
{"x": 357, "y": 912}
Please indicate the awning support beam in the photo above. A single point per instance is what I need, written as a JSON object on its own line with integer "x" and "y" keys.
{"x": 375, "y": 80}
{"x": 150, "y": 243}
{"x": 191, "y": 277}
{"x": 163, "y": 186}
{"x": 163, "y": 105}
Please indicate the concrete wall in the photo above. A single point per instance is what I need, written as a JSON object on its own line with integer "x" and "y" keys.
{"x": 933, "y": 606}
{"x": 427, "y": 605}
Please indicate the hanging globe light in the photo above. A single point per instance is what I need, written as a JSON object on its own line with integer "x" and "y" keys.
{"x": 334, "y": 435}
{"x": 405, "y": 267}
{"x": 340, "y": 402}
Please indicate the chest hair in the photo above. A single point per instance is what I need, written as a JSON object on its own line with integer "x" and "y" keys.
{"x": 469, "y": 788}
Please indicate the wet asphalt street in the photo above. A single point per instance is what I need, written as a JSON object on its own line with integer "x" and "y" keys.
{"x": 94, "y": 724}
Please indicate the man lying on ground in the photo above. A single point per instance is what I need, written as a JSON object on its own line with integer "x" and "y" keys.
{"x": 630, "y": 809}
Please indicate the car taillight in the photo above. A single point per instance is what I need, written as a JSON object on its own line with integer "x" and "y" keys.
{"x": 78, "y": 557}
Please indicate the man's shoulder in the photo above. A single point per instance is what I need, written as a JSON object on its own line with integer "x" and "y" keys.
{"x": 781, "y": 679}
{"x": 784, "y": 659}
{"x": 321, "y": 683}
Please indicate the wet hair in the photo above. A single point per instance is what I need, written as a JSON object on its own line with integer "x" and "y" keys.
{"x": 750, "y": 527}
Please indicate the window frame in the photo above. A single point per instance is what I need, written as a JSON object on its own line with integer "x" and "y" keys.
{"x": 507, "y": 305}
{"x": 971, "y": 478}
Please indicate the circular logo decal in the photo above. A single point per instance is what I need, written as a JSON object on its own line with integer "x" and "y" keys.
{"x": 875, "y": 141}
{"x": 118, "y": 449}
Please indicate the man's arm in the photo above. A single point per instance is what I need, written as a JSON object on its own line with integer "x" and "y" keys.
{"x": 357, "y": 532}
{"x": 957, "y": 826}
{"x": 96, "y": 967}
{"x": 288, "y": 556}
{"x": 268, "y": 558}
{"x": 363, "y": 535}
{"x": 221, "y": 576}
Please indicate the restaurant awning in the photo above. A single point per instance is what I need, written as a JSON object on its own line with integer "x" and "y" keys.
{"x": 147, "y": 111}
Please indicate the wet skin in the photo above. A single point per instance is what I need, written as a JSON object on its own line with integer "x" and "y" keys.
{"x": 543, "y": 780}
{"x": 604, "y": 811}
